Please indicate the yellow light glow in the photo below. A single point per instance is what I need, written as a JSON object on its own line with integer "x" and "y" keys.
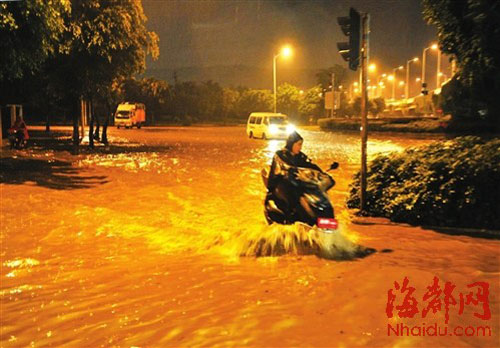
{"x": 372, "y": 67}
{"x": 417, "y": 79}
{"x": 356, "y": 90}
{"x": 401, "y": 83}
{"x": 355, "y": 84}
{"x": 286, "y": 51}
{"x": 434, "y": 46}
{"x": 390, "y": 77}
{"x": 415, "y": 59}
{"x": 400, "y": 67}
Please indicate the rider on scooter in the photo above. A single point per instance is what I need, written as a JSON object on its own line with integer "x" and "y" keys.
{"x": 18, "y": 133}
{"x": 283, "y": 189}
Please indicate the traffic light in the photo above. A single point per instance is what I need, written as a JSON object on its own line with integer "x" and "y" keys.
{"x": 424, "y": 89}
{"x": 351, "y": 26}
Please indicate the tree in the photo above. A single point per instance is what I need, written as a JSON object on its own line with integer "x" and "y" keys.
{"x": 210, "y": 100}
{"x": 230, "y": 99}
{"x": 152, "y": 92}
{"x": 184, "y": 100}
{"x": 324, "y": 76}
{"x": 376, "y": 106}
{"x": 254, "y": 100}
{"x": 288, "y": 100}
{"x": 107, "y": 41}
{"x": 311, "y": 102}
{"x": 468, "y": 31}
{"x": 30, "y": 32}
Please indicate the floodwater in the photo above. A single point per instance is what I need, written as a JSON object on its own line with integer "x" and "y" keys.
{"x": 153, "y": 242}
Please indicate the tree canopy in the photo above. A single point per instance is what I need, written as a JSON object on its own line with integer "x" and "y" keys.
{"x": 30, "y": 32}
{"x": 468, "y": 30}
{"x": 107, "y": 41}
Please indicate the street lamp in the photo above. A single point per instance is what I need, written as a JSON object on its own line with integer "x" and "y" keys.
{"x": 438, "y": 69}
{"x": 445, "y": 78}
{"x": 407, "y": 87}
{"x": 401, "y": 84}
{"x": 379, "y": 84}
{"x": 286, "y": 52}
{"x": 394, "y": 80}
{"x": 434, "y": 47}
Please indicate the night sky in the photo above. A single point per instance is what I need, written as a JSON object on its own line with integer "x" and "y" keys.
{"x": 202, "y": 38}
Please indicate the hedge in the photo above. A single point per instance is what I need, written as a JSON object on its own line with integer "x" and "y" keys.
{"x": 453, "y": 183}
{"x": 407, "y": 125}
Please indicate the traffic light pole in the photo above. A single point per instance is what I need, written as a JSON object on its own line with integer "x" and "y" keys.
{"x": 365, "y": 27}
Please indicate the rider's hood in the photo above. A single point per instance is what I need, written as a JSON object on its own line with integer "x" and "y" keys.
{"x": 292, "y": 139}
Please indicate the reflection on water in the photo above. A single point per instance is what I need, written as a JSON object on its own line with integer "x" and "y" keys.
{"x": 153, "y": 257}
{"x": 272, "y": 147}
{"x": 216, "y": 204}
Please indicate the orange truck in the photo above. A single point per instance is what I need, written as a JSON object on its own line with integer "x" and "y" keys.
{"x": 130, "y": 114}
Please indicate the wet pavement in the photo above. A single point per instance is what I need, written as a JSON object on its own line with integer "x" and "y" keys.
{"x": 143, "y": 244}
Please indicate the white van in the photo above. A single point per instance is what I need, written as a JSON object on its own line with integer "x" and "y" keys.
{"x": 268, "y": 125}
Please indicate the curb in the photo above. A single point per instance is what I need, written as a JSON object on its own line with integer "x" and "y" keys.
{"x": 370, "y": 221}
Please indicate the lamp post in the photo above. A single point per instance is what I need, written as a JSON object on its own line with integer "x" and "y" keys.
{"x": 401, "y": 84}
{"x": 407, "y": 86}
{"x": 394, "y": 80}
{"x": 380, "y": 84}
{"x": 286, "y": 51}
{"x": 438, "y": 74}
{"x": 434, "y": 47}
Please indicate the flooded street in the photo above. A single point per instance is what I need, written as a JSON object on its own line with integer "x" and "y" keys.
{"x": 144, "y": 245}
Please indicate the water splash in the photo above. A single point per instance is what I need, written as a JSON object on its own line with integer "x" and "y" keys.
{"x": 298, "y": 239}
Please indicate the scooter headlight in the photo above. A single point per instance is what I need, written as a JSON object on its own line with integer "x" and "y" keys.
{"x": 290, "y": 128}
{"x": 273, "y": 129}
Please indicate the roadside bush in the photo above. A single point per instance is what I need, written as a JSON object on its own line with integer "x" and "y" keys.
{"x": 448, "y": 183}
{"x": 401, "y": 125}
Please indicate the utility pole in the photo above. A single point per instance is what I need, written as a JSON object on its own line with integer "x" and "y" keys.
{"x": 438, "y": 74}
{"x": 356, "y": 53}
{"x": 365, "y": 55}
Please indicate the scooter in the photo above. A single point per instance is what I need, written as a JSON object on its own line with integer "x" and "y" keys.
{"x": 16, "y": 139}
{"x": 313, "y": 208}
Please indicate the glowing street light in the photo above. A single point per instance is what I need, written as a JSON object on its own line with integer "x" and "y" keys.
{"x": 407, "y": 87}
{"x": 286, "y": 52}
